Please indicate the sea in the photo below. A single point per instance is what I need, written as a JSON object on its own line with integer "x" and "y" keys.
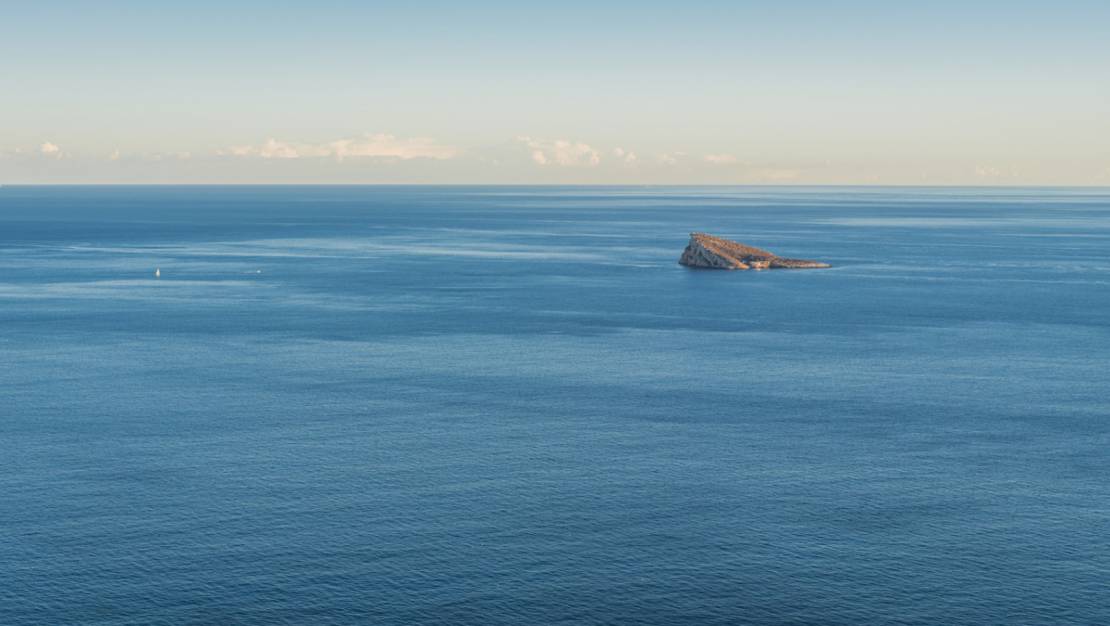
{"x": 511, "y": 405}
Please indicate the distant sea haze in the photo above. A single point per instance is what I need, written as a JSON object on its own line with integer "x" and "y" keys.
{"x": 511, "y": 405}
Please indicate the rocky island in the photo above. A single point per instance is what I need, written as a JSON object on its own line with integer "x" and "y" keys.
{"x": 707, "y": 251}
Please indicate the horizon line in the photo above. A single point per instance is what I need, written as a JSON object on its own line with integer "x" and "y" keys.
{"x": 641, "y": 185}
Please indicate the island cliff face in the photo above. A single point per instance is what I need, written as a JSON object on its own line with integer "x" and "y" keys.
{"x": 712, "y": 252}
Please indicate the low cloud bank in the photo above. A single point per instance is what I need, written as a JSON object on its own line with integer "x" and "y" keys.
{"x": 381, "y": 146}
{"x": 561, "y": 152}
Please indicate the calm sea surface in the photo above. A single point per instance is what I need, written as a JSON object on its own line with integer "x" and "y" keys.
{"x": 510, "y": 405}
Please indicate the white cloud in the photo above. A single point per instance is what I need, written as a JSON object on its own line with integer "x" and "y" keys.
{"x": 380, "y": 146}
{"x": 388, "y": 146}
{"x": 51, "y": 150}
{"x": 670, "y": 158}
{"x": 274, "y": 149}
{"x": 561, "y": 152}
{"x": 627, "y": 156}
{"x": 719, "y": 159}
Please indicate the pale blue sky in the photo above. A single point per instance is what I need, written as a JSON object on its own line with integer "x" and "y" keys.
{"x": 626, "y": 92}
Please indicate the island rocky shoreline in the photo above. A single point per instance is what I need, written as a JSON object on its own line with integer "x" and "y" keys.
{"x": 710, "y": 252}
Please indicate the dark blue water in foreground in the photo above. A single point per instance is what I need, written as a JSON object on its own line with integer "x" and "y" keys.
{"x": 512, "y": 406}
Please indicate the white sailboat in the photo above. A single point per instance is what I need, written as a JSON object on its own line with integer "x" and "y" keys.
{"x": 157, "y": 272}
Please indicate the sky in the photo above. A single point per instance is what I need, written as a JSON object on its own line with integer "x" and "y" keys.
{"x": 571, "y": 92}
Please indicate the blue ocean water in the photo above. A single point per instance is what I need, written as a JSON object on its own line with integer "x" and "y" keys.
{"x": 510, "y": 405}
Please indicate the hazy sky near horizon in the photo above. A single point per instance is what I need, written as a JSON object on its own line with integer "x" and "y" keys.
{"x": 791, "y": 92}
